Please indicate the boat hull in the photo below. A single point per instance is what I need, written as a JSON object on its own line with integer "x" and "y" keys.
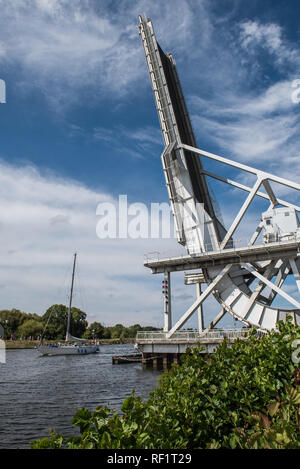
{"x": 67, "y": 349}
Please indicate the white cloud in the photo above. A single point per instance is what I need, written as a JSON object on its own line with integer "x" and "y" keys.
{"x": 251, "y": 139}
{"x": 275, "y": 98}
{"x": 248, "y": 113}
{"x": 44, "y": 220}
{"x": 260, "y": 128}
{"x": 270, "y": 37}
{"x": 269, "y": 34}
{"x": 62, "y": 48}
{"x": 144, "y": 134}
{"x": 133, "y": 142}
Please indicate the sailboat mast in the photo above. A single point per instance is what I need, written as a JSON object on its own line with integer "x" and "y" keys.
{"x": 71, "y": 295}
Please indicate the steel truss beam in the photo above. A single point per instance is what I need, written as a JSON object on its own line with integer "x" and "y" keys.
{"x": 267, "y": 282}
{"x": 259, "y": 173}
{"x": 199, "y": 301}
{"x": 262, "y": 178}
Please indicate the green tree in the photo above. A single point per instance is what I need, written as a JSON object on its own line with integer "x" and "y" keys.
{"x": 116, "y": 331}
{"x": 11, "y": 319}
{"x": 95, "y": 330}
{"x": 132, "y": 330}
{"x": 55, "y": 318}
{"x": 31, "y": 328}
{"x": 107, "y": 333}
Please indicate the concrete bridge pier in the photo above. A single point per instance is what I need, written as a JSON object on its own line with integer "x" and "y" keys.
{"x": 161, "y": 361}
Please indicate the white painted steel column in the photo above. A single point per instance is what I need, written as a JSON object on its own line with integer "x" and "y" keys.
{"x": 167, "y": 303}
{"x": 256, "y": 234}
{"x": 270, "y": 193}
{"x": 295, "y": 272}
{"x": 200, "y": 310}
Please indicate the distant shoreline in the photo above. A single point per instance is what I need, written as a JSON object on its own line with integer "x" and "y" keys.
{"x": 31, "y": 344}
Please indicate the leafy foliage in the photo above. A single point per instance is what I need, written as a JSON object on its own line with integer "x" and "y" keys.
{"x": 56, "y": 319}
{"x": 121, "y": 332}
{"x": 31, "y": 328}
{"x": 94, "y": 331}
{"x": 207, "y": 403}
{"x": 17, "y": 324}
{"x": 12, "y": 321}
{"x": 277, "y": 427}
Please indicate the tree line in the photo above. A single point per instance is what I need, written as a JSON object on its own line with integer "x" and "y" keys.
{"x": 52, "y": 325}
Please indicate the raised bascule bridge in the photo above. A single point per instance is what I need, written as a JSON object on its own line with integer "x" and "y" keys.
{"x": 244, "y": 280}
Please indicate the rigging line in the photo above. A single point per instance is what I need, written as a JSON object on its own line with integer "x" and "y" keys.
{"x": 43, "y": 333}
{"x": 64, "y": 285}
{"x": 58, "y": 293}
{"x": 81, "y": 288}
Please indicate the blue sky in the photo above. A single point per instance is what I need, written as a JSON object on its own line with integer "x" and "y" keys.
{"x": 80, "y": 127}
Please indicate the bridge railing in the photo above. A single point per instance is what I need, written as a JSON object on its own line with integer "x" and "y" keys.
{"x": 185, "y": 336}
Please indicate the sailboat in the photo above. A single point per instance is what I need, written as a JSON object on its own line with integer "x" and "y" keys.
{"x": 73, "y": 345}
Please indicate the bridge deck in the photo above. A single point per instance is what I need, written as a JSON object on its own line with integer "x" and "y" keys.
{"x": 158, "y": 343}
{"x": 222, "y": 257}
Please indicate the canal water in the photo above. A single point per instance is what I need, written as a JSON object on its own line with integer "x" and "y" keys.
{"x": 38, "y": 393}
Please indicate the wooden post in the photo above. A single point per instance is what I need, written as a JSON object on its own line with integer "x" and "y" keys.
{"x": 144, "y": 361}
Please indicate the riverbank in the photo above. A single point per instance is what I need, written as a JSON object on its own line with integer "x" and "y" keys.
{"x": 31, "y": 344}
{"x": 20, "y": 344}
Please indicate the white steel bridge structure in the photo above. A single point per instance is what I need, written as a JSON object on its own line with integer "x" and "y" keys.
{"x": 236, "y": 276}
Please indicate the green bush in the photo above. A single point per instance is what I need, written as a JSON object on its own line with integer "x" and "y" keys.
{"x": 220, "y": 402}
